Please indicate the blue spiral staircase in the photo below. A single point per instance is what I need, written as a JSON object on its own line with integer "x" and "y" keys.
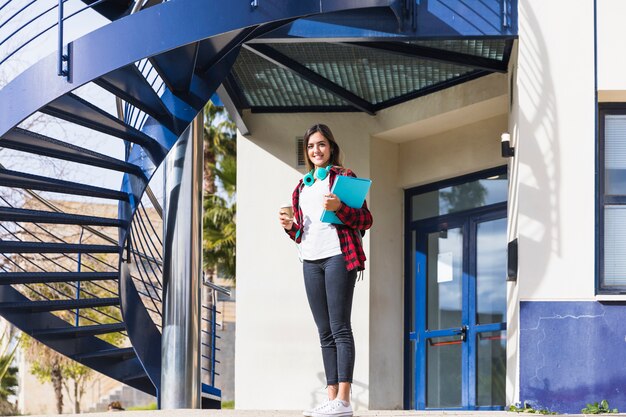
{"x": 164, "y": 61}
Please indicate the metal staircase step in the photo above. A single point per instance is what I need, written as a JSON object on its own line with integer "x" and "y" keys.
{"x": 10, "y": 278}
{"x": 118, "y": 353}
{"x": 74, "y": 109}
{"x": 138, "y": 375}
{"x": 130, "y": 85}
{"x": 7, "y": 246}
{"x": 112, "y": 9}
{"x": 57, "y": 305}
{"x": 41, "y": 216}
{"x": 26, "y": 141}
{"x": 81, "y": 331}
{"x": 176, "y": 67}
{"x": 35, "y": 182}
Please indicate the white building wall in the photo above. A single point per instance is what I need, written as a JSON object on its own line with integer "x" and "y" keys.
{"x": 455, "y": 152}
{"x": 555, "y": 155}
{"x": 387, "y": 278}
{"x": 512, "y": 311}
{"x": 552, "y": 122}
{"x": 611, "y": 58}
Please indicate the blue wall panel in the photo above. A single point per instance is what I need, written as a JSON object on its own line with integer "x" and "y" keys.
{"x": 572, "y": 353}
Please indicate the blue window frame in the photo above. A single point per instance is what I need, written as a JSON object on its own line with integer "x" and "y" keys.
{"x": 611, "y": 200}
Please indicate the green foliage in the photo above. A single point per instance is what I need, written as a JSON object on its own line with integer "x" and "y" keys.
{"x": 151, "y": 406}
{"x": 220, "y": 185}
{"x": 8, "y": 373}
{"x": 6, "y": 357}
{"x": 49, "y": 366}
{"x": 9, "y": 382}
{"x": 527, "y": 408}
{"x": 602, "y": 408}
{"x": 228, "y": 405}
{"x": 219, "y": 236}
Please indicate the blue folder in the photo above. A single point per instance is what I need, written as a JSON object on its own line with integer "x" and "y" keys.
{"x": 351, "y": 191}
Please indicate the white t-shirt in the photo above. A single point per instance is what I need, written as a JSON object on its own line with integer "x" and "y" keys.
{"x": 319, "y": 239}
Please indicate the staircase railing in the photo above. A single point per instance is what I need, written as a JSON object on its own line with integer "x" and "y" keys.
{"x": 146, "y": 268}
{"x": 146, "y": 247}
{"x": 27, "y": 32}
{"x": 63, "y": 262}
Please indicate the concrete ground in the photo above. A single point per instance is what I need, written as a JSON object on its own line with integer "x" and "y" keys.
{"x": 282, "y": 413}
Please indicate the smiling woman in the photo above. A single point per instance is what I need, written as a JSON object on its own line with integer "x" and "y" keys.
{"x": 332, "y": 255}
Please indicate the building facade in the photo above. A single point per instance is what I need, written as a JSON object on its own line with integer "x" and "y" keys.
{"x": 491, "y": 280}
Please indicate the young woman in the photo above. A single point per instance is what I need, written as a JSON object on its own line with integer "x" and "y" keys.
{"x": 332, "y": 255}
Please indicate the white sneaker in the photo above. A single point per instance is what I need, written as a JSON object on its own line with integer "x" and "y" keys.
{"x": 334, "y": 408}
{"x": 309, "y": 412}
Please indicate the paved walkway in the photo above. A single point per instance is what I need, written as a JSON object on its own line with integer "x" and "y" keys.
{"x": 283, "y": 413}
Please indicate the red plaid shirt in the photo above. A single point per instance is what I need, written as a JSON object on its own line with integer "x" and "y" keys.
{"x": 355, "y": 222}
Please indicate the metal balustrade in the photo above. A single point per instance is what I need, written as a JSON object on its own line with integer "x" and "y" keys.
{"x": 41, "y": 262}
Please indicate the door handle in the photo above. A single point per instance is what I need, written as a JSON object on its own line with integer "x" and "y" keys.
{"x": 462, "y": 332}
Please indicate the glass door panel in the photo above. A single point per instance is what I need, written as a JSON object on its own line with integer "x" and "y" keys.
{"x": 443, "y": 372}
{"x": 491, "y": 272}
{"x": 445, "y": 279}
{"x": 491, "y": 368}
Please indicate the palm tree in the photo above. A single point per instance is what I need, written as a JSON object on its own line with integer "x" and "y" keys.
{"x": 8, "y": 374}
{"x": 8, "y": 385}
{"x": 219, "y": 140}
{"x": 220, "y": 183}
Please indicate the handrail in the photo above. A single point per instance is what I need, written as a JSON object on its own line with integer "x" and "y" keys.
{"x": 31, "y": 39}
{"x": 216, "y": 287}
{"x": 155, "y": 202}
{"x": 14, "y": 14}
{"x": 58, "y": 23}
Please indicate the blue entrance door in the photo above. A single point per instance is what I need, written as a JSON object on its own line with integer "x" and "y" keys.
{"x": 460, "y": 310}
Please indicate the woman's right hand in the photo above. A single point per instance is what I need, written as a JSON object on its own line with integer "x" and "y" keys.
{"x": 285, "y": 221}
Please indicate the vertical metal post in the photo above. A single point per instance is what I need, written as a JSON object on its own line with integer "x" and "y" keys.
{"x": 80, "y": 263}
{"x": 213, "y": 335}
{"x": 182, "y": 272}
{"x": 62, "y": 57}
{"x": 60, "y": 39}
{"x": 505, "y": 14}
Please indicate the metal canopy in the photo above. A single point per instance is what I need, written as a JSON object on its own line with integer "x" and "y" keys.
{"x": 367, "y": 75}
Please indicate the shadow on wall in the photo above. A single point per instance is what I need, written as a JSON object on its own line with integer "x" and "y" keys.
{"x": 359, "y": 393}
{"x": 539, "y": 142}
{"x": 572, "y": 353}
{"x": 537, "y": 198}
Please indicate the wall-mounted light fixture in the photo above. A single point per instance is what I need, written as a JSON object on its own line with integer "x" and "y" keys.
{"x": 507, "y": 150}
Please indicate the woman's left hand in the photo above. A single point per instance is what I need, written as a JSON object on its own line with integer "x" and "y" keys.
{"x": 331, "y": 202}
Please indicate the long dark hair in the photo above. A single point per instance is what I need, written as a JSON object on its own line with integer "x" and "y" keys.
{"x": 335, "y": 152}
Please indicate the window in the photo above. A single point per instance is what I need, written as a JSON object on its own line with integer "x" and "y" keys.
{"x": 611, "y": 208}
{"x": 491, "y": 187}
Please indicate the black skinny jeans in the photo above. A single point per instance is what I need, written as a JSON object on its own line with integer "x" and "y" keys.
{"x": 329, "y": 289}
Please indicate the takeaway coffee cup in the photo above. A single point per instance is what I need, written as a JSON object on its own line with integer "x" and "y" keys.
{"x": 286, "y": 210}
